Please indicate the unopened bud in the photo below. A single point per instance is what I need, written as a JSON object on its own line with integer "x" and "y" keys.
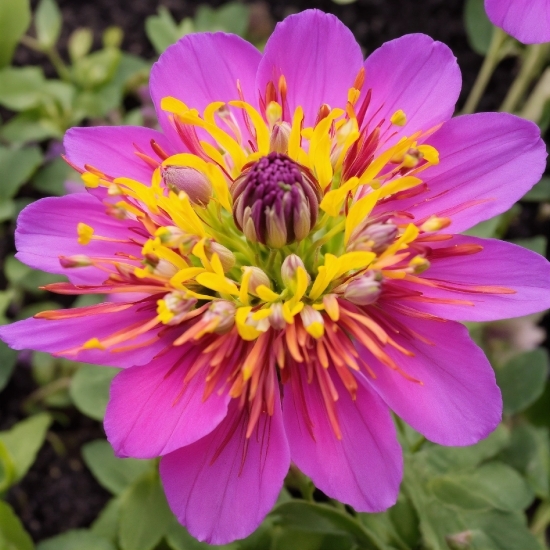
{"x": 280, "y": 136}
{"x": 276, "y": 319}
{"x": 159, "y": 266}
{"x": 289, "y": 271}
{"x": 257, "y": 278}
{"x": 419, "y": 264}
{"x": 313, "y": 321}
{"x": 192, "y": 182}
{"x": 365, "y": 290}
{"x": 173, "y": 308}
{"x": 373, "y": 238}
{"x": 227, "y": 258}
{"x": 223, "y": 313}
{"x": 173, "y": 237}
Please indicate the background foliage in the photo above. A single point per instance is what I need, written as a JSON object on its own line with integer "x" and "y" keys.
{"x": 492, "y": 496}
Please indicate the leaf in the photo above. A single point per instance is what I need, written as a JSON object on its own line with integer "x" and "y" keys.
{"x": 522, "y": 379}
{"x": 144, "y": 515}
{"x": 21, "y": 88}
{"x": 7, "y": 210}
{"x": 24, "y": 440}
{"x": 47, "y": 21}
{"x": 16, "y": 167}
{"x": 485, "y": 229}
{"x": 320, "y": 519}
{"x": 51, "y": 178}
{"x": 106, "y": 523}
{"x": 536, "y": 244}
{"x": 178, "y": 538}
{"x": 80, "y": 539}
{"x": 15, "y": 18}
{"x": 492, "y": 485}
{"x": 8, "y": 360}
{"x": 540, "y": 192}
{"x": 162, "y": 31}
{"x": 29, "y": 126}
{"x": 479, "y": 29}
{"x": 90, "y": 389}
{"x": 12, "y": 534}
{"x": 115, "y": 474}
{"x": 80, "y": 43}
{"x": 232, "y": 17}
{"x": 7, "y": 468}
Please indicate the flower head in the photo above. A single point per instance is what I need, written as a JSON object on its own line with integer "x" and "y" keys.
{"x": 313, "y": 288}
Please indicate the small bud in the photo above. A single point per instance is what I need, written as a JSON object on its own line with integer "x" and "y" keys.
{"x": 192, "y": 182}
{"x": 227, "y": 258}
{"x": 372, "y": 238}
{"x": 433, "y": 223}
{"x": 313, "y": 321}
{"x": 399, "y": 118}
{"x": 159, "y": 266}
{"x": 78, "y": 260}
{"x": 419, "y": 264}
{"x": 364, "y": 290}
{"x": 276, "y": 319}
{"x": 222, "y": 313}
{"x": 280, "y": 135}
{"x": 173, "y": 308}
{"x": 289, "y": 271}
{"x": 257, "y": 278}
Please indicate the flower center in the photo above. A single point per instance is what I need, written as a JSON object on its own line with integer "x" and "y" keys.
{"x": 276, "y": 201}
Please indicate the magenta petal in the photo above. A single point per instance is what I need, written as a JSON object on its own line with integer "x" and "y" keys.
{"x": 488, "y": 161}
{"x": 455, "y": 399}
{"x": 202, "y": 68}
{"x": 154, "y": 411}
{"x": 319, "y": 58}
{"x": 47, "y": 229}
{"x": 222, "y": 486}
{"x": 112, "y": 149}
{"x": 499, "y": 264}
{"x": 527, "y": 21}
{"x": 416, "y": 75}
{"x": 364, "y": 468}
{"x": 58, "y": 336}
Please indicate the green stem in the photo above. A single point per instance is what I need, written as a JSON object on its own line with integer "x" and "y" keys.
{"x": 415, "y": 447}
{"x": 535, "y": 103}
{"x": 492, "y": 59}
{"x": 53, "y": 55}
{"x": 535, "y": 56}
{"x": 541, "y": 520}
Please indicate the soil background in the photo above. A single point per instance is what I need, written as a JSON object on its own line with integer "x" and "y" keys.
{"x": 59, "y": 493}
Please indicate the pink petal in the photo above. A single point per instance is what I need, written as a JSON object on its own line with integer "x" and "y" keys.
{"x": 47, "y": 229}
{"x": 111, "y": 149}
{"x": 154, "y": 411}
{"x": 455, "y": 400}
{"x": 202, "y": 68}
{"x": 488, "y": 161}
{"x": 526, "y": 20}
{"x": 222, "y": 486}
{"x": 414, "y": 74}
{"x": 364, "y": 468}
{"x": 319, "y": 58}
{"x": 58, "y": 336}
{"x": 499, "y": 264}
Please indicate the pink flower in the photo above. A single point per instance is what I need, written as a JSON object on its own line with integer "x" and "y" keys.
{"x": 526, "y": 20}
{"x": 314, "y": 282}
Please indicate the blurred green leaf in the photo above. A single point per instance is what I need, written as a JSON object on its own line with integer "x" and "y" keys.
{"x": 16, "y": 167}
{"x": 97, "y": 68}
{"x": 80, "y": 43}
{"x": 8, "y": 360}
{"x": 144, "y": 514}
{"x": 162, "y": 31}
{"x": 486, "y": 229}
{"x": 112, "y": 37}
{"x": 22, "y": 276}
{"x": 7, "y": 210}
{"x": 21, "y": 88}
{"x": 344, "y": 2}
{"x": 106, "y": 523}
{"x": 12, "y": 533}
{"x": 540, "y": 192}
{"x": 521, "y": 380}
{"x": 51, "y": 177}
{"x": 90, "y": 389}
{"x": 30, "y": 126}
{"x": 15, "y": 18}
{"x": 23, "y": 441}
{"x": 232, "y": 17}
{"x": 537, "y": 413}
{"x": 178, "y": 538}
{"x": 479, "y": 29}
{"x": 48, "y": 21}
{"x": 536, "y": 244}
{"x": 115, "y": 474}
{"x": 79, "y": 539}
{"x": 8, "y": 472}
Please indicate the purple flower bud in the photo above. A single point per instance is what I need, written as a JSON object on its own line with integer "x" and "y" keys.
{"x": 257, "y": 278}
{"x": 365, "y": 290}
{"x": 222, "y": 313}
{"x": 227, "y": 258}
{"x": 276, "y": 201}
{"x": 289, "y": 268}
{"x": 195, "y": 184}
{"x": 276, "y": 319}
{"x": 373, "y": 238}
{"x": 279, "y": 137}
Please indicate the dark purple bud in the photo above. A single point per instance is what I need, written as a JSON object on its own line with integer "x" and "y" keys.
{"x": 276, "y": 201}
{"x": 373, "y": 238}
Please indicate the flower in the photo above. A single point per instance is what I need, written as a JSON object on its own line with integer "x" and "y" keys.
{"x": 526, "y": 20}
{"x": 324, "y": 315}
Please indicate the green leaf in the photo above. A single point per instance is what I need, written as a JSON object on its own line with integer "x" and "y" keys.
{"x": 12, "y": 534}
{"x": 47, "y": 21}
{"x": 540, "y": 192}
{"x": 15, "y": 18}
{"x": 486, "y": 229}
{"x": 479, "y": 29}
{"x": 16, "y": 167}
{"x": 21, "y": 88}
{"x": 80, "y": 539}
{"x": 80, "y": 43}
{"x": 7, "y": 210}
{"x": 90, "y": 389}
{"x": 8, "y": 360}
{"x": 522, "y": 379}
{"x": 232, "y": 17}
{"x": 24, "y": 440}
{"x": 115, "y": 474}
{"x": 536, "y": 244}
{"x": 178, "y": 538}
{"x": 8, "y": 472}
{"x": 112, "y": 37}
{"x": 162, "y": 31}
{"x": 30, "y": 126}
{"x": 323, "y": 520}
{"x": 537, "y": 413}
{"x": 106, "y": 523}
{"x": 144, "y": 515}
{"x": 51, "y": 178}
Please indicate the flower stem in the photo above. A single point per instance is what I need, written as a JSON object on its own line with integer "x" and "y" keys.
{"x": 533, "y": 108}
{"x": 534, "y": 57}
{"x": 541, "y": 519}
{"x": 492, "y": 59}
{"x": 53, "y": 55}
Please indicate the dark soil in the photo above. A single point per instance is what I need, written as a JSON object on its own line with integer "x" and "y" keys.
{"x": 59, "y": 493}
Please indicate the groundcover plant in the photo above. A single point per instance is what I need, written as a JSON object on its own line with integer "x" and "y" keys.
{"x": 287, "y": 264}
